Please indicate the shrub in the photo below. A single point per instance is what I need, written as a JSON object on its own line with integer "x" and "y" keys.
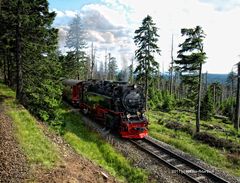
{"x": 174, "y": 125}
{"x": 155, "y": 98}
{"x": 168, "y": 102}
{"x": 178, "y": 126}
{"x": 217, "y": 142}
{"x": 227, "y": 107}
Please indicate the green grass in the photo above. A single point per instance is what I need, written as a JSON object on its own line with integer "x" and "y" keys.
{"x": 40, "y": 150}
{"x": 90, "y": 145}
{"x": 185, "y": 142}
{"x": 37, "y": 148}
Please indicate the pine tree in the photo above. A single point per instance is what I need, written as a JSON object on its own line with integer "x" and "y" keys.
{"x": 146, "y": 40}
{"x": 231, "y": 81}
{"x": 191, "y": 57}
{"x": 10, "y": 11}
{"x": 75, "y": 37}
{"x": 216, "y": 89}
{"x": 76, "y": 43}
{"x": 112, "y": 68}
{"x": 31, "y": 38}
{"x": 207, "y": 107}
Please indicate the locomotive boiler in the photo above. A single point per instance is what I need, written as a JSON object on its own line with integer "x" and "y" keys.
{"x": 118, "y": 105}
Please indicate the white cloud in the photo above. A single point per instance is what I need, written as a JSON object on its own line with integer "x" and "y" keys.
{"x": 223, "y": 5}
{"x": 95, "y": 36}
{"x": 66, "y": 13}
{"x": 111, "y": 24}
{"x": 70, "y": 13}
{"x": 222, "y": 40}
{"x": 115, "y": 17}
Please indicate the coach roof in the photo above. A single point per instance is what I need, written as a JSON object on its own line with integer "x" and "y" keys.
{"x": 71, "y": 82}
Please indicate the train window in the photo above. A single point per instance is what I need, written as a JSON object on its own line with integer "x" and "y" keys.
{"x": 95, "y": 99}
{"x": 92, "y": 99}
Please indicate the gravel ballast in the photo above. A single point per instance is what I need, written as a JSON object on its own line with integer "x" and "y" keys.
{"x": 157, "y": 170}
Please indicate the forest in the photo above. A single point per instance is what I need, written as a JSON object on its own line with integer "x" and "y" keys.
{"x": 32, "y": 64}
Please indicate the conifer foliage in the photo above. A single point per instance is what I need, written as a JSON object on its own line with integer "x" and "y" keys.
{"x": 146, "y": 40}
{"x": 29, "y": 55}
{"x": 112, "y": 68}
{"x": 190, "y": 59}
{"x": 76, "y": 60}
{"x": 207, "y": 107}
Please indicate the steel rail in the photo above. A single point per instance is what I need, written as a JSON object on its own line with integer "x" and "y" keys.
{"x": 159, "y": 152}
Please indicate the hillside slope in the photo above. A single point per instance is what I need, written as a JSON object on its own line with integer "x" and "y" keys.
{"x": 41, "y": 156}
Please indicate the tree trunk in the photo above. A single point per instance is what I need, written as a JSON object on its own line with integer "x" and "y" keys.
{"x": 232, "y": 107}
{"x": 9, "y": 70}
{"x": 92, "y": 60}
{"x": 171, "y": 69}
{"x": 199, "y": 99}
{"x": 19, "y": 80}
{"x": 146, "y": 91}
{"x": 5, "y": 69}
{"x": 206, "y": 81}
{"x": 237, "y": 112}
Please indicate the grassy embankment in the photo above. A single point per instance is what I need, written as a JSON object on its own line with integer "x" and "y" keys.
{"x": 92, "y": 146}
{"x": 38, "y": 149}
{"x": 183, "y": 140}
{"x": 87, "y": 143}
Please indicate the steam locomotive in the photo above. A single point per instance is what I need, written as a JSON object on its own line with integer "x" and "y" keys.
{"x": 118, "y": 105}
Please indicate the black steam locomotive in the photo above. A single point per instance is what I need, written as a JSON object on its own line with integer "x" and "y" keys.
{"x": 118, "y": 105}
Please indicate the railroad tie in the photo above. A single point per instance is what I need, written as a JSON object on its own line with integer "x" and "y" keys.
{"x": 163, "y": 156}
{"x": 170, "y": 160}
{"x": 179, "y": 165}
{"x": 200, "y": 178}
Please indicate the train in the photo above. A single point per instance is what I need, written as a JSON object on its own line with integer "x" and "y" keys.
{"x": 118, "y": 106}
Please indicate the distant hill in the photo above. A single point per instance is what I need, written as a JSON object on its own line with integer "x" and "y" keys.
{"x": 211, "y": 77}
{"x": 217, "y": 78}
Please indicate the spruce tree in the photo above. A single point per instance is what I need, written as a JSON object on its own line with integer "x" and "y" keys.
{"x": 190, "y": 59}
{"x": 146, "y": 40}
{"x": 231, "y": 81}
{"x": 112, "y": 68}
{"x": 207, "y": 107}
{"x": 76, "y": 43}
{"x": 31, "y": 38}
{"x": 216, "y": 89}
{"x": 8, "y": 18}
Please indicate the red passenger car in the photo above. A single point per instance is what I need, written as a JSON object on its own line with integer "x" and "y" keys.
{"x": 71, "y": 91}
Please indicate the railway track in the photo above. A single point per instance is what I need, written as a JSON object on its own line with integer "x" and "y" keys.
{"x": 180, "y": 165}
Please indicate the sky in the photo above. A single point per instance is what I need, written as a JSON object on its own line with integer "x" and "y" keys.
{"x": 110, "y": 25}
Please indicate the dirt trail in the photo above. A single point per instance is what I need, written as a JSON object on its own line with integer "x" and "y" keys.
{"x": 72, "y": 167}
{"x": 13, "y": 164}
